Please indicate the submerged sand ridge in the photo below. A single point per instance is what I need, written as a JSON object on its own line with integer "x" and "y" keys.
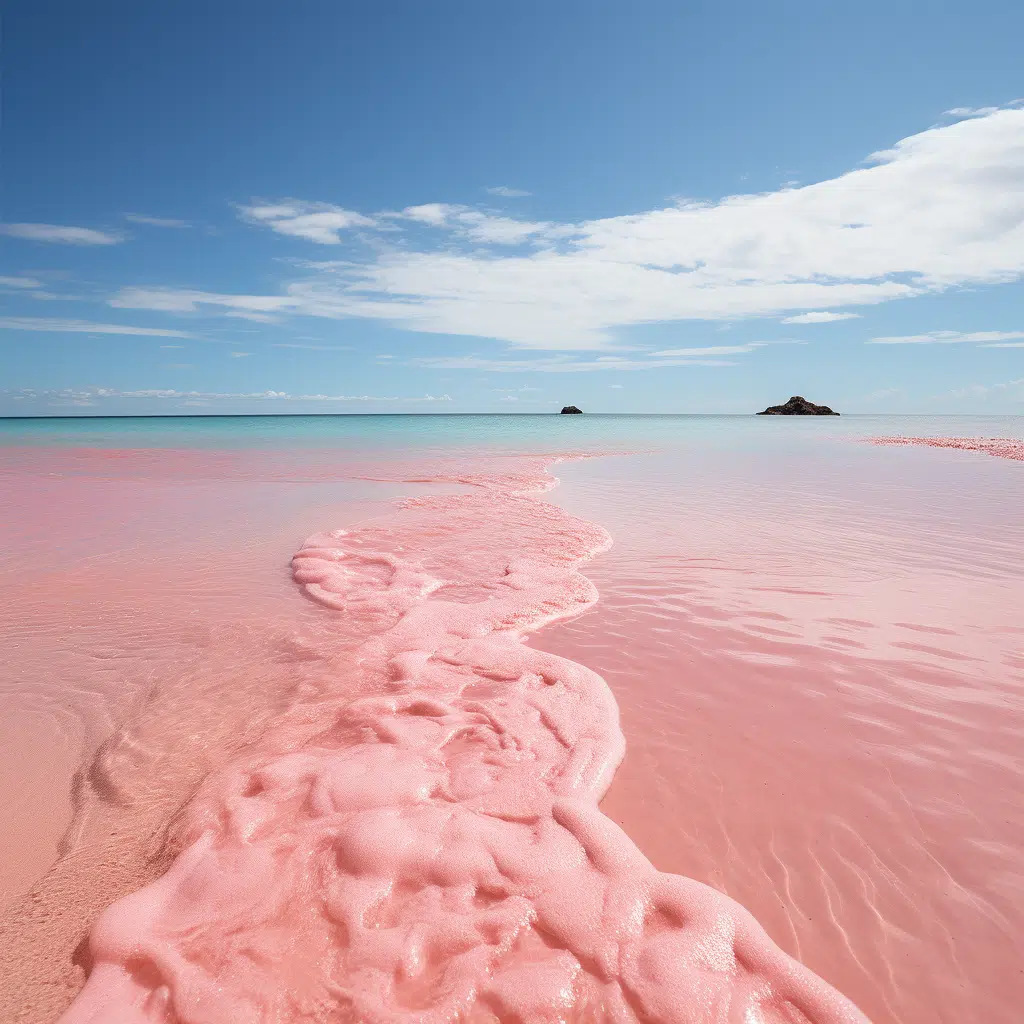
{"x": 423, "y": 840}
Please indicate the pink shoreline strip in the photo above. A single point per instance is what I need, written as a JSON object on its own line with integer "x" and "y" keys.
{"x": 1001, "y": 447}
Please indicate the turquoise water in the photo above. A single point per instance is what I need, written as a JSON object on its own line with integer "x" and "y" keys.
{"x": 520, "y": 432}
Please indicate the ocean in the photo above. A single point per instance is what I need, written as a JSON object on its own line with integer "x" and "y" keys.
{"x": 365, "y": 718}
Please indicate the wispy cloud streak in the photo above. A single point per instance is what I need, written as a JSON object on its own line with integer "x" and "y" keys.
{"x": 20, "y": 282}
{"x": 987, "y": 339}
{"x": 819, "y": 318}
{"x": 156, "y": 222}
{"x": 556, "y": 364}
{"x": 61, "y": 234}
{"x": 55, "y": 325}
{"x": 87, "y": 394}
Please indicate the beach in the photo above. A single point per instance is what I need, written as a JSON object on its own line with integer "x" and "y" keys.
{"x": 512, "y": 718}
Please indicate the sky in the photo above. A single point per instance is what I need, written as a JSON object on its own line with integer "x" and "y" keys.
{"x": 470, "y": 207}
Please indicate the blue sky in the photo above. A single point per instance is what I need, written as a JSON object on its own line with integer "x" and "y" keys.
{"x": 448, "y": 207}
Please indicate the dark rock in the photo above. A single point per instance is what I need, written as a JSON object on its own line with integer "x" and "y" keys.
{"x": 571, "y": 408}
{"x": 798, "y": 406}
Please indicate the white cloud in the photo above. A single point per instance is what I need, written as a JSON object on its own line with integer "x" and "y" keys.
{"x": 54, "y": 325}
{"x": 556, "y": 364}
{"x": 712, "y": 350}
{"x": 434, "y": 214}
{"x": 259, "y": 318}
{"x": 971, "y": 111}
{"x": 941, "y": 209}
{"x": 509, "y": 398}
{"x": 156, "y": 222}
{"x": 478, "y": 225}
{"x": 983, "y": 338}
{"x": 240, "y": 355}
{"x": 20, "y": 282}
{"x": 61, "y": 234}
{"x": 615, "y": 386}
{"x": 819, "y": 318}
{"x": 508, "y": 193}
{"x": 1005, "y": 344}
{"x": 316, "y": 222}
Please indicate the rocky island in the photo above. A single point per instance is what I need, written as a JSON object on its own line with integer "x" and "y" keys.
{"x": 796, "y": 406}
{"x": 570, "y": 409}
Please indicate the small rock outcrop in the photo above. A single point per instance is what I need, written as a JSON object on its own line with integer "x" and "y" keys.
{"x": 798, "y": 406}
{"x": 570, "y": 408}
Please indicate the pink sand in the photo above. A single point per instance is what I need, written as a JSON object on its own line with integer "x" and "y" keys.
{"x": 1002, "y": 447}
{"x": 366, "y": 798}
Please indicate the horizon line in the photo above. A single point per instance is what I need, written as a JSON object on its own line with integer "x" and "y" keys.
{"x": 337, "y": 415}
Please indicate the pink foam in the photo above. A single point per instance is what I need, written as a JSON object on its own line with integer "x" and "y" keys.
{"x": 418, "y": 837}
{"x": 1003, "y": 447}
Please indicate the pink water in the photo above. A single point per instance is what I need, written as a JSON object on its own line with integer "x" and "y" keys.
{"x": 820, "y": 681}
{"x": 347, "y": 789}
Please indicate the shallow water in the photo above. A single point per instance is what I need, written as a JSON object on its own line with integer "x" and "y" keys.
{"x": 820, "y": 668}
{"x": 813, "y": 642}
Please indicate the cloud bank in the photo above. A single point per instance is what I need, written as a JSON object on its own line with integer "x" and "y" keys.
{"x": 938, "y": 210}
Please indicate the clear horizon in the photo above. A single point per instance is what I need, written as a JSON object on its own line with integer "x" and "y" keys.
{"x": 498, "y": 412}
